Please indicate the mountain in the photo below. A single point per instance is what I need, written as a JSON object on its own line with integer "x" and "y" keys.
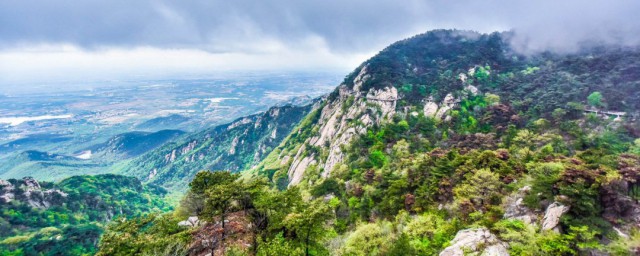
{"x": 31, "y": 141}
{"x": 446, "y": 143}
{"x": 96, "y": 159}
{"x": 132, "y": 144}
{"x": 46, "y": 165}
{"x": 171, "y": 121}
{"x": 68, "y": 217}
{"x": 435, "y": 74}
{"x": 234, "y": 146}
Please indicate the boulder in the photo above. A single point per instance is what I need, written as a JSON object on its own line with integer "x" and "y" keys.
{"x": 477, "y": 241}
{"x": 552, "y": 216}
{"x": 472, "y": 89}
{"x": 30, "y": 192}
{"x": 515, "y": 209}
{"x": 6, "y": 192}
{"x": 192, "y": 221}
{"x": 448, "y": 103}
{"x": 430, "y": 109}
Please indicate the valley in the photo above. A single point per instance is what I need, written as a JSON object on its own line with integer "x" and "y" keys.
{"x": 87, "y": 129}
{"x": 319, "y": 128}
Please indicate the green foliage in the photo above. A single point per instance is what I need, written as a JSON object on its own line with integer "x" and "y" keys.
{"x": 636, "y": 147}
{"x": 530, "y": 70}
{"x": 146, "y": 235}
{"x": 209, "y": 149}
{"x": 430, "y": 233}
{"x": 377, "y": 158}
{"x": 406, "y": 88}
{"x": 520, "y": 236}
{"x": 369, "y": 239}
{"x": 326, "y": 187}
{"x": 308, "y": 224}
{"x": 407, "y": 185}
{"x": 491, "y": 99}
{"x": 73, "y": 224}
{"x": 278, "y": 246}
{"x": 481, "y": 188}
{"x": 482, "y": 74}
{"x": 595, "y": 99}
{"x": 623, "y": 246}
{"x": 543, "y": 178}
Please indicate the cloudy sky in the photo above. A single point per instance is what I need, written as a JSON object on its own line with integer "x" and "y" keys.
{"x": 87, "y": 39}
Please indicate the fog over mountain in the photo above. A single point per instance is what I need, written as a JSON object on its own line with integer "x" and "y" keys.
{"x": 154, "y": 37}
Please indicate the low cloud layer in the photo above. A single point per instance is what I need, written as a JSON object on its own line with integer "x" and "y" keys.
{"x": 266, "y": 28}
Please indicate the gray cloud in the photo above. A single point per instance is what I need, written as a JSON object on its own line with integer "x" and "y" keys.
{"x": 344, "y": 26}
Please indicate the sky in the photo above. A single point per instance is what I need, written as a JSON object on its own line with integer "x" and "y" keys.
{"x": 97, "y": 39}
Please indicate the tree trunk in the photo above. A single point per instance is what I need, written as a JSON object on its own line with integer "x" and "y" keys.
{"x": 223, "y": 232}
{"x": 213, "y": 247}
{"x": 306, "y": 248}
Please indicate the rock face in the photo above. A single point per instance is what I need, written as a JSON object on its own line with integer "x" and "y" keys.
{"x": 6, "y": 192}
{"x": 618, "y": 205}
{"x": 432, "y": 109}
{"x": 29, "y": 191}
{"x": 336, "y": 126}
{"x": 298, "y": 166}
{"x": 515, "y": 209}
{"x": 478, "y": 241}
{"x": 447, "y": 104}
{"x": 552, "y": 216}
{"x": 192, "y": 221}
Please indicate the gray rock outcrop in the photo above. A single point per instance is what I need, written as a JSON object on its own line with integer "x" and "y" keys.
{"x": 477, "y": 241}
{"x": 340, "y": 121}
{"x": 192, "y": 221}
{"x": 432, "y": 109}
{"x": 515, "y": 209}
{"x": 6, "y": 192}
{"x": 552, "y": 216}
{"x": 29, "y": 191}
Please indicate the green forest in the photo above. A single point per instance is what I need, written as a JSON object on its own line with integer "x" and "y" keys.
{"x": 446, "y": 143}
{"x": 73, "y": 213}
{"x": 525, "y": 135}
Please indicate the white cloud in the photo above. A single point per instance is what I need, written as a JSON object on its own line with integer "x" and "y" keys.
{"x": 43, "y": 63}
{"x": 107, "y": 39}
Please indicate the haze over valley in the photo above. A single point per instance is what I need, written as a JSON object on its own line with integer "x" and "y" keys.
{"x": 319, "y": 127}
{"x": 71, "y": 122}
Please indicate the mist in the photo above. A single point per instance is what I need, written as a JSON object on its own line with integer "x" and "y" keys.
{"x": 144, "y": 36}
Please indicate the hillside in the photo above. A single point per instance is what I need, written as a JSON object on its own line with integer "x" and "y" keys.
{"x": 234, "y": 146}
{"x": 95, "y": 159}
{"x": 132, "y": 144}
{"x": 68, "y": 217}
{"x": 166, "y": 122}
{"x": 445, "y": 143}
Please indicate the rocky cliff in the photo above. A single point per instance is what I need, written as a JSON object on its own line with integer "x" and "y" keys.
{"x": 236, "y": 146}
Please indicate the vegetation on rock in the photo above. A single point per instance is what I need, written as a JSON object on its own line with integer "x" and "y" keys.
{"x": 430, "y": 138}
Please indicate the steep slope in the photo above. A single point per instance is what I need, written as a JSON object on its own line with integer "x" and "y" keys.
{"x": 133, "y": 144}
{"x": 67, "y": 217}
{"x": 433, "y": 73}
{"x": 96, "y": 159}
{"x": 235, "y": 146}
{"x": 446, "y": 143}
{"x": 164, "y": 122}
{"x": 47, "y": 166}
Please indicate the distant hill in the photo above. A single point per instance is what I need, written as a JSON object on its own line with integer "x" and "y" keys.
{"x": 67, "y": 218}
{"x": 96, "y": 159}
{"x": 234, "y": 146}
{"x": 31, "y": 141}
{"x": 165, "y": 122}
{"x": 132, "y": 144}
{"x": 34, "y": 155}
